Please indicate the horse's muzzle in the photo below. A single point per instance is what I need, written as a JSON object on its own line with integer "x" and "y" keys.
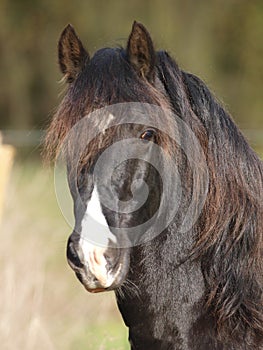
{"x": 97, "y": 268}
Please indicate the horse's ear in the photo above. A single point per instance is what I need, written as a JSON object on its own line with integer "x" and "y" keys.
{"x": 140, "y": 51}
{"x": 71, "y": 54}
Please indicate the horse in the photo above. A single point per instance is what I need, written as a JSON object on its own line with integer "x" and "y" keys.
{"x": 177, "y": 286}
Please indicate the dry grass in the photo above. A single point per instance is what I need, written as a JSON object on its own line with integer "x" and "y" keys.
{"x": 43, "y": 306}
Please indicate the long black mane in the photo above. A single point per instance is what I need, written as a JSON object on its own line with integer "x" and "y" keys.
{"x": 230, "y": 230}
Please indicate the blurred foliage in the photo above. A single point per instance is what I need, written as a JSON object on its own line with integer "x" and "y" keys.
{"x": 219, "y": 40}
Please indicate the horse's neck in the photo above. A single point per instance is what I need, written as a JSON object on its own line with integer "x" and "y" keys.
{"x": 168, "y": 310}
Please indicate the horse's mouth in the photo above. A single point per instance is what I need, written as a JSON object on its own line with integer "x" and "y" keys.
{"x": 97, "y": 290}
{"x": 98, "y": 269}
{"x": 100, "y": 283}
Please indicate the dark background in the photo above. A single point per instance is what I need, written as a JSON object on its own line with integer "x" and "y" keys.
{"x": 219, "y": 40}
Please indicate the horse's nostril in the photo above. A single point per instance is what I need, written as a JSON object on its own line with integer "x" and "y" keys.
{"x": 72, "y": 255}
{"x": 79, "y": 276}
{"x": 111, "y": 258}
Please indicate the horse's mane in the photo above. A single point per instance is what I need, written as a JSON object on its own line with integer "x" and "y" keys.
{"x": 230, "y": 229}
{"x": 229, "y": 234}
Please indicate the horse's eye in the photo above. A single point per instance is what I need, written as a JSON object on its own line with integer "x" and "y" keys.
{"x": 147, "y": 135}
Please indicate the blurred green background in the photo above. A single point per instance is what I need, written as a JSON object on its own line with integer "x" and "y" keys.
{"x": 43, "y": 306}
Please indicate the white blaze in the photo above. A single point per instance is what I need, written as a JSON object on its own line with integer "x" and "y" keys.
{"x": 94, "y": 239}
{"x": 94, "y": 208}
{"x": 94, "y": 227}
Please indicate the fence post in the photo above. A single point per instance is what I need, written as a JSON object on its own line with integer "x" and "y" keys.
{"x": 6, "y": 160}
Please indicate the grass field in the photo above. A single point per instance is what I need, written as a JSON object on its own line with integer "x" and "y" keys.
{"x": 43, "y": 306}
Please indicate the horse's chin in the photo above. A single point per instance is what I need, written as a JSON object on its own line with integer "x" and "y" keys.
{"x": 98, "y": 287}
{"x": 96, "y": 290}
{"x": 94, "y": 281}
